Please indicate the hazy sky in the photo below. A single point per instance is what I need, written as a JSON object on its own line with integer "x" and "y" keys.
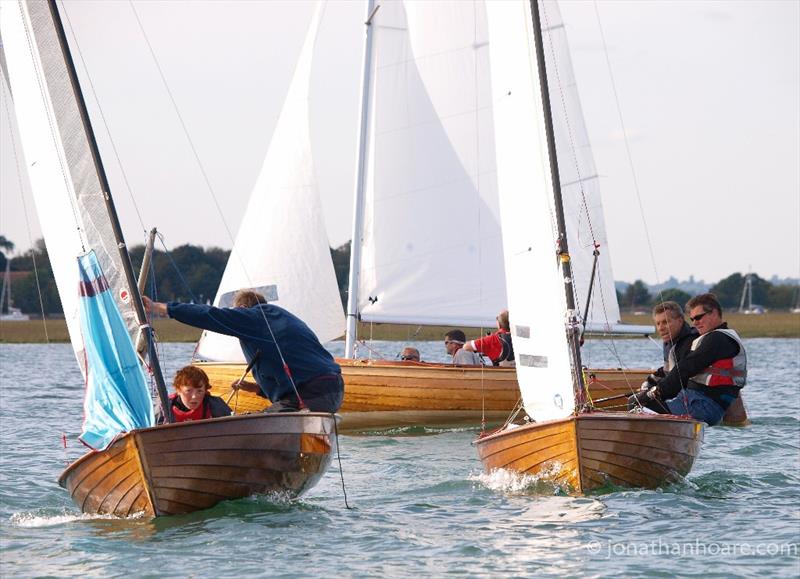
{"x": 709, "y": 93}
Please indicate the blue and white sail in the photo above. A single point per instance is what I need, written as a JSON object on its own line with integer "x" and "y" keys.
{"x": 117, "y": 398}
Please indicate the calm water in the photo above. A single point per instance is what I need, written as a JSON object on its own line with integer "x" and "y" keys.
{"x": 420, "y": 505}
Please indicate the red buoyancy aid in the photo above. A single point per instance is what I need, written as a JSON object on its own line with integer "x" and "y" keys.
{"x": 724, "y": 372}
{"x": 199, "y": 413}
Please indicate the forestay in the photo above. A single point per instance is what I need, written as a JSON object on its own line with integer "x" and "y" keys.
{"x": 580, "y": 184}
{"x": 282, "y": 239}
{"x": 66, "y": 185}
{"x": 534, "y": 280}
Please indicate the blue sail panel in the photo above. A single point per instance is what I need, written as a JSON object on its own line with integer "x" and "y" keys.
{"x": 117, "y": 398}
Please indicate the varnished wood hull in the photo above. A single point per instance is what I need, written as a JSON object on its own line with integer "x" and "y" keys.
{"x": 185, "y": 467}
{"x": 584, "y": 452}
{"x": 392, "y": 393}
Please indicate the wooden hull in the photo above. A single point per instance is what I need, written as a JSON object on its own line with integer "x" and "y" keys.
{"x": 189, "y": 466}
{"x": 587, "y": 450}
{"x": 392, "y": 393}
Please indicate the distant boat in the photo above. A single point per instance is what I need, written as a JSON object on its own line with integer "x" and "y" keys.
{"x": 137, "y": 467}
{"x": 746, "y": 305}
{"x": 12, "y": 314}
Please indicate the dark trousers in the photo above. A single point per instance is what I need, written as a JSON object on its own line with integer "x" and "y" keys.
{"x": 320, "y": 394}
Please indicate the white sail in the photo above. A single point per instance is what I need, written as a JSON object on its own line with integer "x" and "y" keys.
{"x": 282, "y": 241}
{"x": 535, "y": 284}
{"x": 66, "y": 186}
{"x": 431, "y": 240}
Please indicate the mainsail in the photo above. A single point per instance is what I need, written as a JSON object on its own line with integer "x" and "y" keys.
{"x": 282, "y": 241}
{"x": 534, "y": 278}
{"x": 66, "y": 183}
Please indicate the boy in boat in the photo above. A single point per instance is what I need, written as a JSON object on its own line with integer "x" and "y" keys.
{"x": 496, "y": 346}
{"x": 192, "y": 399}
{"x": 454, "y": 341}
{"x": 707, "y": 381}
{"x": 291, "y": 367}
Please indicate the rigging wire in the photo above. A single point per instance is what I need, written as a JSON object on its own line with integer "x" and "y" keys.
{"x": 103, "y": 117}
{"x": 208, "y": 184}
{"x": 7, "y": 94}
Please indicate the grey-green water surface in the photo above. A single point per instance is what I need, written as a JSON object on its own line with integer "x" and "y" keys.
{"x": 421, "y": 506}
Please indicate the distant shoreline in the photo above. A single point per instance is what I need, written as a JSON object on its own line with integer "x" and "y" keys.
{"x": 769, "y": 325}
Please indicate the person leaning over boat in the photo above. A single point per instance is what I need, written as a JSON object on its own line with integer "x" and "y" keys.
{"x": 714, "y": 370}
{"x": 285, "y": 353}
{"x": 192, "y": 399}
{"x": 677, "y": 337}
{"x": 454, "y": 341}
{"x": 496, "y": 346}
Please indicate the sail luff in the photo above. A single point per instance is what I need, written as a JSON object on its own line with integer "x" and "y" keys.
{"x": 354, "y": 278}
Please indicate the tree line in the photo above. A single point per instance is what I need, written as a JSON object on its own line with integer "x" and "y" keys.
{"x": 728, "y": 292}
{"x": 193, "y": 273}
{"x": 187, "y": 273}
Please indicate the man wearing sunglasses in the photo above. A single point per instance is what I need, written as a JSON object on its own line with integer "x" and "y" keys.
{"x": 454, "y": 345}
{"x": 714, "y": 370}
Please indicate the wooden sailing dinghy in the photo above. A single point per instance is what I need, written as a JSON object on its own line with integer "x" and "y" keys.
{"x": 185, "y": 467}
{"x": 565, "y": 442}
{"x": 136, "y": 467}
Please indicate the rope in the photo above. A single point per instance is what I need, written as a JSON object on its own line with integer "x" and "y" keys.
{"x": 174, "y": 265}
{"x": 103, "y": 118}
{"x": 339, "y": 458}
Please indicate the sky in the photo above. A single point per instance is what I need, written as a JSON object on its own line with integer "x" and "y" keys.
{"x": 706, "y": 184}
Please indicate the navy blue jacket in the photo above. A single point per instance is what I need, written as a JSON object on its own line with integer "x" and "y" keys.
{"x": 304, "y": 354}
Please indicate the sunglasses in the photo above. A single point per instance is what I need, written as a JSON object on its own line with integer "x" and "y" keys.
{"x": 411, "y": 358}
{"x": 699, "y": 317}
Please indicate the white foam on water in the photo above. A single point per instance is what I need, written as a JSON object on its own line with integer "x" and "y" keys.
{"x": 35, "y": 520}
{"x": 508, "y": 481}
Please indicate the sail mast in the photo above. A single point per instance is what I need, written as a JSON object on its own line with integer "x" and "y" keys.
{"x": 111, "y": 210}
{"x": 573, "y": 330}
{"x": 361, "y": 172}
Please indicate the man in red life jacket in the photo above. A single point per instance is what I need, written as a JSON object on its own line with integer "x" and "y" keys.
{"x": 497, "y": 346}
{"x": 714, "y": 370}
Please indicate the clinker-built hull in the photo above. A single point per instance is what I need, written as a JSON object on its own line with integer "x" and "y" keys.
{"x": 189, "y": 466}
